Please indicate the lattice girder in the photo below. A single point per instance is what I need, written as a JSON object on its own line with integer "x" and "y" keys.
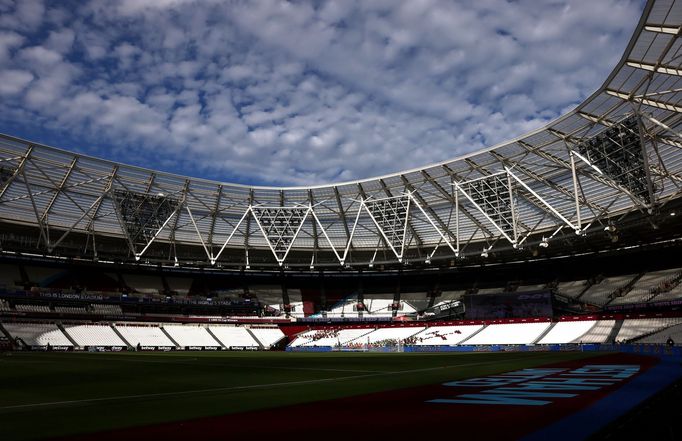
{"x": 280, "y": 226}
{"x": 143, "y": 215}
{"x": 390, "y": 216}
{"x": 492, "y": 195}
{"x": 617, "y": 152}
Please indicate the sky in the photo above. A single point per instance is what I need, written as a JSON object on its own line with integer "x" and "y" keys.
{"x": 269, "y": 92}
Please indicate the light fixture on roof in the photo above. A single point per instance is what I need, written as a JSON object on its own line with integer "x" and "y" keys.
{"x": 544, "y": 243}
{"x": 672, "y": 213}
{"x": 484, "y": 254}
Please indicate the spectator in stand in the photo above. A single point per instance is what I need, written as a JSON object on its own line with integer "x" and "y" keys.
{"x": 670, "y": 342}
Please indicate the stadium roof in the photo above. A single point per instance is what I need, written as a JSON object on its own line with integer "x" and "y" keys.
{"x": 616, "y": 153}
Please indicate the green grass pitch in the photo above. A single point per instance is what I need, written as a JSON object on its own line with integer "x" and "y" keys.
{"x": 54, "y": 394}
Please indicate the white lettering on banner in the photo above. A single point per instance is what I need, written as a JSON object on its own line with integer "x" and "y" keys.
{"x": 529, "y": 387}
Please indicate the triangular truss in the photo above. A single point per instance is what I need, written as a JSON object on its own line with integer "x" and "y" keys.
{"x": 390, "y": 215}
{"x": 492, "y": 196}
{"x": 143, "y": 216}
{"x": 280, "y": 227}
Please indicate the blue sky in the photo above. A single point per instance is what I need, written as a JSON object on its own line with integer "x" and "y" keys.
{"x": 297, "y": 93}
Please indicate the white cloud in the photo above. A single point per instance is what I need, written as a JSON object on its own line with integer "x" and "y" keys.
{"x": 300, "y": 92}
{"x": 13, "y": 81}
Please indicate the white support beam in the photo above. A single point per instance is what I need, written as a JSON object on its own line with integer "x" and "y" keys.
{"x": 662, "y": 29}
{"x": 326, "y": 236}
{"x": 201, "y": 239}
{"x": 458, "y": 188}
{"x": 144, "y": 250}
{"x": 542, "y": 200}
{"x": 655, "y": 68}
{"x": 398, "y": 254}
{"x": 215, "y": 258}
{"x": 649, "y": 102}
{"x": 443, "y": 236}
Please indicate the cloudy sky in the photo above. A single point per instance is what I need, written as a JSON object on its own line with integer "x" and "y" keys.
{"x": 296, "y": 93}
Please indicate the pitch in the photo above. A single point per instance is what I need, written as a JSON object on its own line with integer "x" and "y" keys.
{"x": 61, "y": 394}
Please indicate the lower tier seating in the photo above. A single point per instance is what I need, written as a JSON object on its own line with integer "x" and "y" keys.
{"x": 187, "y": 335}
{"x": 38, "y": 334}
{"x": 509, "y": 334}
{"x": 94, "y": 335}
{"x": 567, "y": 332}
{"x": 144, "y": 335}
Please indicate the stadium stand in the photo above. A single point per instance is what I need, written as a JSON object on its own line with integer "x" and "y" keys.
{"x": 31, "y": 308}
{"x": 232, "y": 336}
{"x": 38, "y": 334}
{"x": 189, "y": 335}
{"x": 567, "y": 332}
{"x": 509, "y": 334}
{"x": 646, "y": 286}
{"x": 144, "y": 335}
{"x": 672, "y": 293}
{"x": 635, "y": 328}
{"x": 601, "y": 293}
{"x": 330, "y": 338}
{"x": 4, "y": 306}
{"x": 268, "y": 337}
{"x": 387, "y": 336}
{"x": 446, "y": 335}
{"x": 572, "y": 288}
{"x": 70, "y": 309}
{"x": 662, "y": 336}
{"x": 599, "y": 333}
{"x": 99, "y": 308}
{"x": 344, "y": 308}
{"x": 94, "y": 335}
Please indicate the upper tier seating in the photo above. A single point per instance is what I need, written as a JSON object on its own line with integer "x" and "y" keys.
{"x": 32, "y": 308}
{"x": 509, "y": 334}
{"x": 4, "y": 306}
{"x": 38, "y": 334}
{"x": 70, "y": 309}
{"x": 100, "y": 308}
{"x": 643, "y": 288}
{"x": 572, "y": 288}
{"x": 673, "y": 294}
{"x": 600, "y": 293}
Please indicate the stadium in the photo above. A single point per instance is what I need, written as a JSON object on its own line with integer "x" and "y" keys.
{"x": 529, "y": 290}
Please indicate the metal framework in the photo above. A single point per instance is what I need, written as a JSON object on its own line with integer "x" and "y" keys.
{"x": 618, "y": 152}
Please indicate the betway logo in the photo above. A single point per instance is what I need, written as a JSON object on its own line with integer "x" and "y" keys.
{"x": 539, "y": 387}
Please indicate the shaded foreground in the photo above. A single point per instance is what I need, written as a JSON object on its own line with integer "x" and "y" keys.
{"x": 58, "y": 394}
